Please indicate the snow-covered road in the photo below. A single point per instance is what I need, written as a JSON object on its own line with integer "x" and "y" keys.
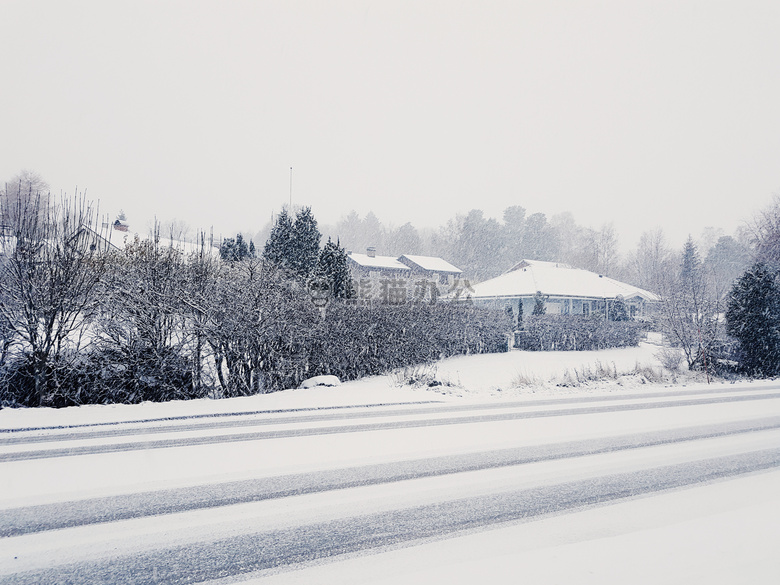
{"x": 367, "y": 493}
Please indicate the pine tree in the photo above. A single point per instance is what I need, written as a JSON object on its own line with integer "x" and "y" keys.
{"x": 690, "y": 270}
{"x": 235, "y": 249}
{"x": 618, "y": 311}
{"x": 227, "y": 249}
{"x": 279, "y": 247}
{"x": 242, "y": 251}
{"x": 539, "y": 304}
{"x": 753, "y": 318}
{"x": 333, "y": 263}
{"x": 294, "y": 245}
{"x": 305, "y": 243}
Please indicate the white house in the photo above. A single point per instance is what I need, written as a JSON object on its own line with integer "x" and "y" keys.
{"x": 566, "y": 290}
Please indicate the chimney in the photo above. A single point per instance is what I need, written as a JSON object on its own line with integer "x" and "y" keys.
{"x": 371, "y": 252}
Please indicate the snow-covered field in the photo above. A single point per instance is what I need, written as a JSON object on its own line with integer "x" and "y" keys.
{"x": 717, "y": 531}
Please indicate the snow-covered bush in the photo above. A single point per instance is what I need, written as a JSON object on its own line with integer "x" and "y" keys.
{"x": 577, "y": 333}
{"x": 417, "y": 376}
{"x": 671, "y": 358}
{"x": 141, "y": 350}
{"x": 170, "y": 328}
{"x": 356, "y": 341}
{"x": 259, "y": 328}
{"x": 51, "y": 263}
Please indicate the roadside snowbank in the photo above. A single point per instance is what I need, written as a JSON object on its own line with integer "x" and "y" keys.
{"x": 474, "y": 377}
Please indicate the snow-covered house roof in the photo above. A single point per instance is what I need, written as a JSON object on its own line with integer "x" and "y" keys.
{"x": 120, "y": 240}
{"x": 428, "y": 263}
{"x": 8, "y": 241}
{"x": 555, "y": 280}
{"x": 377, "y": 262}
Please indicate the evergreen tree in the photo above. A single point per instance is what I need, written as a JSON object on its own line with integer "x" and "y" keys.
{"x": 333, "y": 263}
{"x": 235, "y": 249}
{"x": 242, "y": 250}
{"x": 540, "y": 241}
{"x": 540, "y": 307}
{"x": 227, "y": 249}
{"x": 691, "y": 265}
{"x": 753, "y": 318}
{"x": 279, "y": 247}
{"x": 405, "y": 240}
{"x": 305, "y": 244}
{"x": 294, "y": 245}
{"x": 619, "y": 311}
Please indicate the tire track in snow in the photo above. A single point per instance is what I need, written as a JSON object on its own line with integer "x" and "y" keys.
{"x": 10, "y": 437}
{"x": 246, "y": 554}
{"x": 18, "y": 521}
{"x": 214, "y": 415}
{"x": 314, "y": 431}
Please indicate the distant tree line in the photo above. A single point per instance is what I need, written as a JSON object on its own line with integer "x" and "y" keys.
{"x": 484, "y": 247}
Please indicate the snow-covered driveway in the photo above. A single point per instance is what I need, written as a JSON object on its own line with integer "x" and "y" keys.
{"x": 418, "y": 487}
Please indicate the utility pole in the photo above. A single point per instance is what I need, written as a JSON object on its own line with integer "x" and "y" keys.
{"x": 290, "y": 190}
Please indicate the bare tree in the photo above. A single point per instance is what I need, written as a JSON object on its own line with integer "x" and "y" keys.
{"x": 143, "y": 333}
{"x": 258, "y": 332}
{"x": 18, "y": 192}
{"x": 52, "y": 259}
{"x": 764, "y": 233}
{"x": 176, "y": 230}
{"x": 650, "y": 265}
{"x": 202, "y": 273}
{"x": 690, "y": 310}
{"x": 598, "y": 249}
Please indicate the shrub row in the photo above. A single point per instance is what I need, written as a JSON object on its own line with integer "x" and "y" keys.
{"x": 357, "y": 341}
{"x": 577, "y": 333}
{"x": 376, "y": 339}
{"x": 350, "y": 342}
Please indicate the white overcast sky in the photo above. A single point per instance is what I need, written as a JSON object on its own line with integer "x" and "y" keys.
{"x": 644, "y": 113}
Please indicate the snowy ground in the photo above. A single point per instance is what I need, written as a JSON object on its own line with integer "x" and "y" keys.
{"x": 718, "y": 531}
{"x": 712, "y": 535}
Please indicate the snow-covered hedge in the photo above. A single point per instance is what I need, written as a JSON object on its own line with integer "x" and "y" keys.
{"x": 361, "y": 341}
{"x": 352, "y": 341}
{"x": 577, "y": 333}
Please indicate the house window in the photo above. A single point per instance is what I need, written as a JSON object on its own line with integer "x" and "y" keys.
{"x": 444, "y": 279}
{"x": 586, "y": 308}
